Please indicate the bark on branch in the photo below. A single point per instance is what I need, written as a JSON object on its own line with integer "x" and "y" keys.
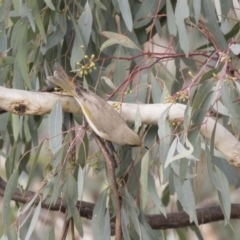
{"x": 39, "y": 103}
{"x": 173, "y": 220}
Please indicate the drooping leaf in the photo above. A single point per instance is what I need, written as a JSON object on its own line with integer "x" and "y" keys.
{"x": 55, "y": 128}
{"x": 34, "y": 220}
{"x": 33, "y": 4}
{"x": 181, "y": 13}
{"x": 80, "y": 182}
{"x": 107, "y": 227}
{"x": 116, "y": 38}
{"x": 154, "y": 195}
{"x": 85, "y": 24}
{"x": 98, "y": 216}
{"x": 186, "y": 197}
{"x": 126, "y": 13}
{"x": 172, "y": 28}
{"x": 164, "y": 134}
{"x": 34, "y": 164}
{"x": 144, "y": 179}
{"x": 9, "y": 190}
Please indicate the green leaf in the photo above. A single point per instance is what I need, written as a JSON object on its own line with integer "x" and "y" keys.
{"x": 164, "y": 134}
{"x": 15, "y": 126}
{"x": 197, "y": 9}
{"x": 56, "y": 36}
{"x": 126, "y": 13}
{"x": 80, "y": 182}
{"x": 4, "y": 10}
{"x": 218, "y": 10}
{"x": 154, "y": 195}
{"x": 28, "y": 205}
{"x": 148, "y": 8}
{"x": 107, "y": 227}
{"x": 202, "y": 102}
{"x": 144, "y": 179}
{"x": 156, "y": 89}
{"x": 9, "y": 190}
{"x": 228, "y": 96}
{"x": 186, "y": 197}
{"x": 83, "y": 151}
{"x": 182, "y": 151}
{"x": 125, "y": 224}
{"x": 3, "y": 123}
{"x": 120, "y": 67}
{"x": 50, "y": 4}
{"x": 34, "y": 164}
{"x": 98, "y": 216}
{"x": 55, "y": 128}
{"x": 77, "y": 53}
{"x": 116, "y": 38}
{"x": 33, "y": 4}
{"x": 172, "y": 28}
{"x": 34, "y": 220}
{"x": 26, "y": 12}
{"x": 129, "y": 205}
{"x": 212, "y": 24}
{"x": 181, "y": 13}
{"x": 85, "y": 24}
{"x": 19, "y": 44}
{"x": 74, "y": 212}
{"x": 71, "y": 188}
{"x": 17, "y": 5}
{"x": 218, "y": 179}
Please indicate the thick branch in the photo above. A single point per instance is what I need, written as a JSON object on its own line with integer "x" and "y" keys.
{"x": 39, "y": 103}
{"x": 173, "y": 220}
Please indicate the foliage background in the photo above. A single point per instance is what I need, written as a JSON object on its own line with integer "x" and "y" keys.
{"x": 201, "y": 37}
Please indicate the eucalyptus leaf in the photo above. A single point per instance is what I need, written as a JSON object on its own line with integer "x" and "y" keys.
{"x": 126, "y": 13}
{"x": 55, "y": 128}
{"x": 9, "y": 190}
{"x": 98, "y": 216}
{"x": 85, "y": 24}
{"x": 34, "y": 220}
{"x": 116, "y": 38}
{"x": 181, "y": 13}
{"x": 144, "y": 179}
{"x": 186, "y": 197}
{"x": 172, "y": 28}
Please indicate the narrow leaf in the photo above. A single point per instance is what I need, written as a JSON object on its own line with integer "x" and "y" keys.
{"x": 34, "y": 220}
{"x": 80, "y": 183}
{"x": 98, "y": 216}
{"x": 144, "y": 179}
{"x": 9, "y": 190}
{"x": 55, "y": 127}
{"x": 126, "y": 13}
{"x": 116, "y": 38}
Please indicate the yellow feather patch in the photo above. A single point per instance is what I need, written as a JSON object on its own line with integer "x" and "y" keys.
{"x": 86, "y": 111}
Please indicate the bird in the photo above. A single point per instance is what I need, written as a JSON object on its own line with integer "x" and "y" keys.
{"x": 106, "y": 122}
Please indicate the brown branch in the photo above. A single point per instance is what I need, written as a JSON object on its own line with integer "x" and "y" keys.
{"x": 173, "y": 220}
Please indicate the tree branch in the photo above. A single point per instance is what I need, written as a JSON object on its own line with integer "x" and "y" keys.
{"x": 38, "y": 103}
{"x": 173, "y": 220}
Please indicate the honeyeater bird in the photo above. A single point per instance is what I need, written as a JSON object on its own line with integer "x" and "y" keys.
{"x": 102, "y": 118}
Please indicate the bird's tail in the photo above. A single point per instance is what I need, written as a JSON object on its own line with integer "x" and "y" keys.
{"x": 62, "y": 80}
